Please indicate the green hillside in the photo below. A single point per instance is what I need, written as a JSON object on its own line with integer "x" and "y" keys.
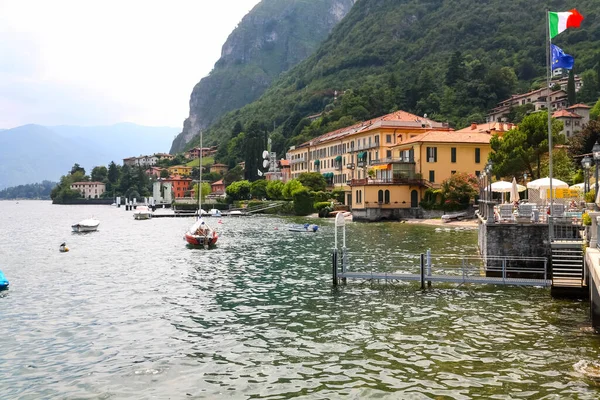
{"x": 451, "y": 59}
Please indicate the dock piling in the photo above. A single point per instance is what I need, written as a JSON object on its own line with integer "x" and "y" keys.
{"x": 422, "y": 271}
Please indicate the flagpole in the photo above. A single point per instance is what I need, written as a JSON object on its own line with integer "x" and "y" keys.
{"x": 548, "y": 107}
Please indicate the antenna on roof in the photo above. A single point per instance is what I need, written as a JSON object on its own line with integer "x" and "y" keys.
{"x": 425, "y": 115}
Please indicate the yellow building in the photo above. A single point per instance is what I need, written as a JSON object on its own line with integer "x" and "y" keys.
{"x": 348, "y": 153}
{"x": 219, "y": 168}
{"x": 180, "y": 170}
{"x": 419, "y": 163}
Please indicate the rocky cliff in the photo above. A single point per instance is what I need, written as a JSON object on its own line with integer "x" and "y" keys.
{"x": 273, "y": 37}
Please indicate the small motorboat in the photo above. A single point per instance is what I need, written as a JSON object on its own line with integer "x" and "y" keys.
{"x": 214, "y": 212}
{"x": 200, "y": 234}
{"x": 304, "y": 228}
{"x": 142, "y": 212}
{"x": 3, "y": 281}
{"x": 235, "y": 213}
{"x": 86, "y": 225}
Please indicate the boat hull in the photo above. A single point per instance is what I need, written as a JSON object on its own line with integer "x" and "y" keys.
{"x": 141, "y": 216}
{"x": 83, "y": 228}
{"x": 3, "y": 282}
{"x": 199, "y": 240}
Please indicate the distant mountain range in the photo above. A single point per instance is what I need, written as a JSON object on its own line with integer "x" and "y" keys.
{"x": 33, "y": 153}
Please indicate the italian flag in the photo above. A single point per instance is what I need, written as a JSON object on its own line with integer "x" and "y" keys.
{"x": 561, "y": 21}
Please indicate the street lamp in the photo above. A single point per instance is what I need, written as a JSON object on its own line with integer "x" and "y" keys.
{"x": 482, "y": 195}
{"x": 490, "y": 166}
{"x": 596, "y": 154}
{"x": 586, "y": 163}
{"x": 525, "y": 184}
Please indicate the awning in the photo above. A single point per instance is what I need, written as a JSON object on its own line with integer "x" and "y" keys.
{"x": 381, "y": 167}
{"x": 362, "y": 154}
{"x": 317, "y": 162}
{"x": 328, "y": 175}
{"x": 338, "y": 158}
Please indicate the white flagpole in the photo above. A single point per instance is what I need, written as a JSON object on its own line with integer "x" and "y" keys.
{"x": 548, "y": 107}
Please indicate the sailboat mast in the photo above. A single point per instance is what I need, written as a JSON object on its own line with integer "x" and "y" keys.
{"x": 200, "y": 179}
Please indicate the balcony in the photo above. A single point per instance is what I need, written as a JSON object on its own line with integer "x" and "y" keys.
{"x": 391, "y": 160}
{"x": 298, "y": 160}
{"x": 390, "y": 181}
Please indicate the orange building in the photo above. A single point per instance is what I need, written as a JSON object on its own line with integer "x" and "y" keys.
{"x": 218, "y": 187}
{"x": 181, "y": 186}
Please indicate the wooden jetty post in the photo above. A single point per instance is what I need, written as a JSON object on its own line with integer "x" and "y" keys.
{"x": 422, "y": 271}
{"x": 340, "y": 222}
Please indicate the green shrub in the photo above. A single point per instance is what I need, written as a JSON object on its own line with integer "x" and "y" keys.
{"x": 324, "y": 212}
{"x": 590, "y": 197}
{"x": 303, "y": 202}
{"x": 339, "y": 195}
{"x": 321, "y": 196}
{"x": 586, "y": 219}
{"x": 321, "y": 205}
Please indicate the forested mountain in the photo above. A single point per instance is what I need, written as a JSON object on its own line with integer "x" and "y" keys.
{"x": 274, "y": 36}
{"x": 451, "y": 59}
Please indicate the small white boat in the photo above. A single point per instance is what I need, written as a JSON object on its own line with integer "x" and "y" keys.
{"x": 86, "y": 225}
{"x": 235, "y": 213}
{"x": 214, "y": 212}
{"x": 142, "y": 212}
{"x": 304, "y": 228}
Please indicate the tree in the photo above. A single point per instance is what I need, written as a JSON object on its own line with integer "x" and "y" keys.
{"x": 274, "y": 190}
{"x": 254, "y": 146}
{"x": 239, "y": 190}
{"x": 583, "y": 142}
{"x": 259, "y": 189}
{"x": 164, "y": 173}
{"x": 303, "y": 201}
{"x": 520, "y": 150}
{"x": 460, "y": 188}
{"x": 595, "y": 111}
{"x": 234, "y": 174}
{"x": 313, "y": 181}
{"x": 113, "y": 172}
{"x": 562, "y": 166}
{"x": 456, "y": 69}
{"x": 290, "y": 188}
{"x": 99, "y": 174}
{"x": 77, "y": 168}
{"x": 205, "y": 190}
{"x": 571, "y": 89}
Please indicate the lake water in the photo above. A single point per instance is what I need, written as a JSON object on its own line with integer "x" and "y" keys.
{"x": 130, "y": 312}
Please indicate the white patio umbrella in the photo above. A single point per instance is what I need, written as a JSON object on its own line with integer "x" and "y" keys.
{"x": 501, "y": 187}
{"x": 544, "y": 183}
{"x": 514, "y": 191}
{"x": 577, "y": 186}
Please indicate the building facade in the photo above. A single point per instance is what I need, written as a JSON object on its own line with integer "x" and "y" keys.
{"x": 89, "y": 190}
{"x": 348, "y": 153}
{"x": 537, "y": 98}
{"x": 219, "y": 168}
{"x": 419, "y": 163}
{"x": 182, "y": 170}
{"x": 180, "y": 186}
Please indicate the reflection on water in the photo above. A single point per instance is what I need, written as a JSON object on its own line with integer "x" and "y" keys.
{"x": 131, "y": 312}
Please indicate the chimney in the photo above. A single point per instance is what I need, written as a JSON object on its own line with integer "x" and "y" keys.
{"x": 473, "y": 126}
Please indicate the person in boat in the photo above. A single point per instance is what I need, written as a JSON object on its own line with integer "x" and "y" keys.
{"x": 202, "y": 230}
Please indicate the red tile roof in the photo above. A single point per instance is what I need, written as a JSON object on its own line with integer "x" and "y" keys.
{"x": 284, "y": 163}
{"x": 398, "y": 116}
{"x": 220, "y": 182}
{"x": 565, "y": 114}
{"x": 449, "y": 137}
{"x": 489, "y": 127}
{"x": 579, "y": 105}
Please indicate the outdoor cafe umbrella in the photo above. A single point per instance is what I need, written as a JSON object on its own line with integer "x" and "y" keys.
{"x": 514, "y": 191}
{"x": 501, "y": 186}
{"x": 577, "y": 186}
{"x": 544, "y": 183}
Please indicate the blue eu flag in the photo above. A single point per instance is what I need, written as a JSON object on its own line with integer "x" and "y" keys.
{"x": 560, "y": 59}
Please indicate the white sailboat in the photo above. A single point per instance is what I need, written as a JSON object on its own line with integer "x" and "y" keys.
{"x": 200, "y": 234}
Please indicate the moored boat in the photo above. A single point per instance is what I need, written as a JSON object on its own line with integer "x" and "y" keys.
{"x": 3, "y": 281}
{"x": 214, "y": 212}
{"x": 86, "y": 225}
{"x": 142, "y": 212}
{"x": 200, "y": 234}
{"x": 304, "y": 228}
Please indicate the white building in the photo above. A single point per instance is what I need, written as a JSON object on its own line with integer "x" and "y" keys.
{"x": 162, "y": 192}
{"x": 90, "y": 190}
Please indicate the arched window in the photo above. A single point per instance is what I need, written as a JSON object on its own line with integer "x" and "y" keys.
{"x": 387, "y": 197}
{"x": 380, "y": 196}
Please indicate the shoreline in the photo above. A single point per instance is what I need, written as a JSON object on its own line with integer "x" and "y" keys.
{"x": 468, "y": 223}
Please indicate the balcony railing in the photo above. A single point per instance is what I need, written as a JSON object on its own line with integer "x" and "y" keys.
{"x": 391, "y": 160}
{"x": 298, "y": 160}
{"x": 390, "y": 181}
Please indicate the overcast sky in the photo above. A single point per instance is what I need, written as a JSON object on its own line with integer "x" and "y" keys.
{"x": 97, "y": 62}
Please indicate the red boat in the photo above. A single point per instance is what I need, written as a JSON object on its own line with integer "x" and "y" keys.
{"x": 200, "y": 234}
